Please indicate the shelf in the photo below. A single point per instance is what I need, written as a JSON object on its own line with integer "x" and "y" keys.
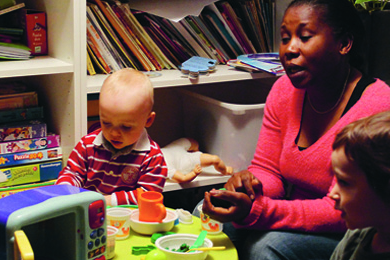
{"x": 43, "y": 65}
{"x": 208, "y": 177}
{"x": 174, "y": 78}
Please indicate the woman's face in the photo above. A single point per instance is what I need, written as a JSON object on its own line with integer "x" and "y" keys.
{"x": 309, "y": 51}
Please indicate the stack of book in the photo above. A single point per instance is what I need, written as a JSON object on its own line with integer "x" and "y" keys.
{"x": 12, "y": 44}
{"x": 28, "y": 152}
{"x": 119, "y": 36}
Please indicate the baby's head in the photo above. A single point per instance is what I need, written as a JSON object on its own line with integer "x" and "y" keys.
{"x": 361, "y": 163}
{"x": 125, "y": 107}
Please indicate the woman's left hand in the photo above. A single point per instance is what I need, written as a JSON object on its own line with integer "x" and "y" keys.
{"x": 240, "y": 208}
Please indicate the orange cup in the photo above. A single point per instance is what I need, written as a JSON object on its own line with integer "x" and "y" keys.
{"x": 150, "y": 206}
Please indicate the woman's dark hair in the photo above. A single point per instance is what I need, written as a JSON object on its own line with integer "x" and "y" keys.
{"x": 366, "y": 143}
{"x": 343, "y": 17}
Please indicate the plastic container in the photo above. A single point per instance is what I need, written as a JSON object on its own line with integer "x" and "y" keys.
{"x": 111, "y": 233}
{"x": 167, "y": 243}
{"x": 225, "y": 125}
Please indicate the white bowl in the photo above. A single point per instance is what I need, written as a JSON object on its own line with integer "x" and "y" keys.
{"x": 148, "y": 228}
{"x": 169, "y": 242}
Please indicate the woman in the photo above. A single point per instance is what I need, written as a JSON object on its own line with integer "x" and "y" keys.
{"x": 283, "y": 194}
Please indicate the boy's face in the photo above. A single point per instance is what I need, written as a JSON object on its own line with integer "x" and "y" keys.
{"x": 122, "y": 122}
{"x": 359, "y": 203}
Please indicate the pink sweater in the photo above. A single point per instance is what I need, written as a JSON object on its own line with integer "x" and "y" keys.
{"x": 277, "y": 159}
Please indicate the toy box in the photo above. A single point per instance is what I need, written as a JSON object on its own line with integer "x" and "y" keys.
{"x": 50, "y": 141}
{"x": 6, "y": 191}
{"x": 30, "y": 157}
{"x": 21, "y": 114}
{"x": 30, "y": 173}
{"x": 225, "y": 126}
{"x": 22, "y": 130}
{"x": 36, "y": 32}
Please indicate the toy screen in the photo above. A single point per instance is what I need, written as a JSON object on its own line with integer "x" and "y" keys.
{"x": 53, "y": 239}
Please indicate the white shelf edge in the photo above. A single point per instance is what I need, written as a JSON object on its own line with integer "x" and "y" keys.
{"x": 42, "y": 65}
{"x": 174, "y": 78}
{"x": 207, "y": 177}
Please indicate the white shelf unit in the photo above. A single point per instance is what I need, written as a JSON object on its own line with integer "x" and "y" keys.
{"x": 56, "y": 76}
{"x": 167, "y": 124}
{"x": 63, "y": 85}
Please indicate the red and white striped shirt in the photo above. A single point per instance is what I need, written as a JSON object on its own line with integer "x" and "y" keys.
{"x": 94, "y": 167}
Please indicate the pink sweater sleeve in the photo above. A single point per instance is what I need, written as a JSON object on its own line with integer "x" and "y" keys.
{"x": 278, "y": 163}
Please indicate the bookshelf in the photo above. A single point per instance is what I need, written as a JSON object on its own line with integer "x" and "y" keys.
{"x": 63, "y": 85}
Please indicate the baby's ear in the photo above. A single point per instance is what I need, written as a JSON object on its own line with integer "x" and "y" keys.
{"x": 150, "y": 119}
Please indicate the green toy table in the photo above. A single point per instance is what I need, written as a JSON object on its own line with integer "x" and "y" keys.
{"x": 123, "y": 247}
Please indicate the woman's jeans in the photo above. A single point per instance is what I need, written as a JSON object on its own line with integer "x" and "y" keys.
{"x": 273, "y": 245}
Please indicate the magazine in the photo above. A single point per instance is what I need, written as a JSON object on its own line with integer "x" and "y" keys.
{"x": 268, "y": 62}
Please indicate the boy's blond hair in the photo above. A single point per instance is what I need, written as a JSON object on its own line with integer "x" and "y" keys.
{"x": 127, "y": 81}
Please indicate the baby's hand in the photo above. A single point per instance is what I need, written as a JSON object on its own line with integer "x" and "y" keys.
{"x": 197, "y": 169}
{"x": 108, "y": 200}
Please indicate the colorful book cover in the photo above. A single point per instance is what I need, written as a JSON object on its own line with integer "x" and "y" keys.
{"x": 30, "y": 173}
{"x": 30, "y": 157}
{"x": 268, "y": 62}
{"x": 18, "y": 100}
{"x": 22, "y": 130}
{"x": 6, "y": 191}
{"x": 50, "y": 141}
{"x": 21, "y": 114}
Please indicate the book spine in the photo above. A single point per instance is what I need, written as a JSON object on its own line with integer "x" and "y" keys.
{"x": 21, "y": 114}
{"x": 116, "y": 24}
{"x": 50, "y": 141}
{"x": 30, "y": 157}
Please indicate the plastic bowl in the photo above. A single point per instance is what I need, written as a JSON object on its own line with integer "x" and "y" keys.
{"x": 169, "y": 242}
{"x": 148, "y": 228}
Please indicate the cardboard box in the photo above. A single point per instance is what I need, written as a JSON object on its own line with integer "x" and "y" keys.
{"x": 30, "y": 157}
{"x": 50, "y": 141}
{"x": 22, "y": 130}
{"x": 30, "y": 173}
{"x": 36, "y": 32}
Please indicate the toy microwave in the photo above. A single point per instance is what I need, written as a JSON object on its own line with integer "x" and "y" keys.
{"x": 58, "y": 222}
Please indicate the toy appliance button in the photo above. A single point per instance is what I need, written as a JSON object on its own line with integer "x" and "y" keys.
{"x": 100, "y": 232}
{"x": 90, "y": 245}
{"x": 93, "y": 234}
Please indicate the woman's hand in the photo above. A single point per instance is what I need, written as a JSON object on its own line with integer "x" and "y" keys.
{"x": 244, "y": 181}
{"x": 240, "y": 208}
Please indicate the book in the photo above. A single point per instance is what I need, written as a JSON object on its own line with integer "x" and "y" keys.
{"x": 96, "y": 60}
{"x": 17, "y": 146}
{"x": 14, "y": 51}
{"x": 193, "y": 32}
{"x": 18, "y": 100}
{"x": 144, "y": 37}
{"x": 222, "y": 54}
{"x": 127, "y": 58}
{"x": 101, "y": 42}
{"x": 11, "y": 8}
{"x": 268, "y": 62}
{"x": 27, "y": 157}
{"x": 22, "y": 130}
{"x": 90, "y": 69}
{"x": 235, "y": 25}
{"x": 124, "y": 35}
{"x": 30, "y": 173}
{"x": 21, "y": 114}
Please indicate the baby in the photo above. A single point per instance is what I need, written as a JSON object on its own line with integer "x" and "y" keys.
{"x": 120, "y": 157}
